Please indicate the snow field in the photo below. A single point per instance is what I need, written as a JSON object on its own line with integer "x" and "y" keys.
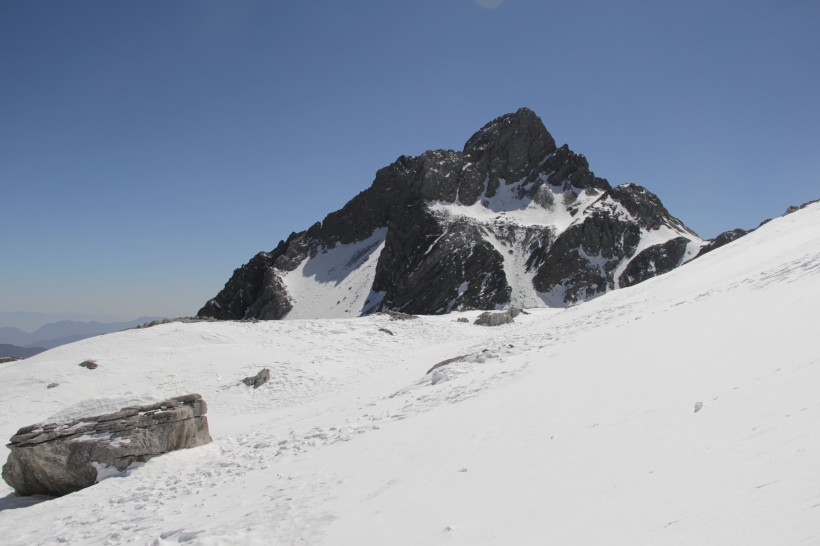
{"x": 570, "y": 426}
{"x": 336, "y": 282}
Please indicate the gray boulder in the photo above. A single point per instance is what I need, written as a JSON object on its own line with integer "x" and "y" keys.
{"x": 490, "y": 318}
{"x": 259, "y": 379}
{"x": 395, "y": 315}
{"x": 60, "y": 458}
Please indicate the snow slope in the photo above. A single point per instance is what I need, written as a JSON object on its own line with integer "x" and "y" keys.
{"x": 570, "y": 426}
{"x": 336, "y": 282}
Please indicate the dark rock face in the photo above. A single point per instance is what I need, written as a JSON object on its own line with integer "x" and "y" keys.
{"x": 254, "y": 290}
{"x": 508, "y": 148}
{"x": 566, "y": 270}
{"x": 645, "y": 207}
{"x": 421, "y": 269}
{"x": 60, "y": 458}
{"x": 723, "y": 239}
{"x": 655, "y": 260}
{"x": 512, "y": 219}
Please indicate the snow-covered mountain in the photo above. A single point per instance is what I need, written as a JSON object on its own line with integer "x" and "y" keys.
{"x": 682, "y": 410}
{"x": 512, "y": 219}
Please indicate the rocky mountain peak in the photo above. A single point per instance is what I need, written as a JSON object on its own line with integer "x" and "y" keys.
{"x": 509, "y": 147}
{"x": 510, "y": 220}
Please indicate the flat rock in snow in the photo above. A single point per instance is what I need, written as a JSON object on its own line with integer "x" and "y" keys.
{"x": 259, "y": 379}
{"x": 490, "y": 318}
{"x": 60, "y": 458}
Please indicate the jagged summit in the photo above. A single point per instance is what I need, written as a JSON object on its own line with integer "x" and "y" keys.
{"x": 511, "y": 219}
{"x": 510, "y": 146}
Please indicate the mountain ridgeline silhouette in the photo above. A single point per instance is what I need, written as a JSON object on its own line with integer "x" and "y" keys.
{"x": 512, "y": 219}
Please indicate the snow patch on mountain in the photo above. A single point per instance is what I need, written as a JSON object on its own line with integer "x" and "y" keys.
{"x": 511, "y": 203}
{"x": 335, "y": 282}
{"x": 515, "y": 255}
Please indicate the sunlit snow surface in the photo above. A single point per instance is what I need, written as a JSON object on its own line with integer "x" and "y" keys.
{"x": 570, "y": 426}
{"x": 507, "y": 205}
{"x": 336, "y": 282}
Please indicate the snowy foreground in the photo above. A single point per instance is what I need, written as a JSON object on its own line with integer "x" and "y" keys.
{"x": 574, "y": 426}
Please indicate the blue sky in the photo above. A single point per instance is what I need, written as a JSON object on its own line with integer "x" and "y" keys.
{"x": 147, "y": 148}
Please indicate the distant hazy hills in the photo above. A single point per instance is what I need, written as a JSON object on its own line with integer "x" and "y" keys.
{"x": 53, "y": 334}
{"x": 14, "y": 351}
{"x": 29, "y": 321}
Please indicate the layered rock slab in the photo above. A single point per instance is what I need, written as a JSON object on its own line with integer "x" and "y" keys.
{"x": 60, "y": 458}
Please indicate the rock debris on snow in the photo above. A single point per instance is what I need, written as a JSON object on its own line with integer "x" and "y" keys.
{"x": 259, "y": 379}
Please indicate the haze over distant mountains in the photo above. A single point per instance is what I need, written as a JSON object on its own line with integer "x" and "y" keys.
{"x": 28, "y": 321}
{"x": 14, "y": 341}
{"x": 14, "y": 351}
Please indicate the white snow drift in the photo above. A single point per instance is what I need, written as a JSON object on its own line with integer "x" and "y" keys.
{"x": 570, "y": 426}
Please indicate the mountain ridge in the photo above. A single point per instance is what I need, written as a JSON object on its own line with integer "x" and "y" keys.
{"x": 8, "y": 350}
{"x": 512, "y": 219}
{"x": 54, "y": 334}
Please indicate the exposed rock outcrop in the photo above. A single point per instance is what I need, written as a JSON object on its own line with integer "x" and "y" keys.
{"x": 492, "y": 318}
{"x": 446, "y": 362}
{"x": 795, "y": 208}
{"x": 733, "y": 234}
{"x": 723, "y": 239}
{"x": 60, "y": 458}
{"x": 259, "y": 379}
{"x": 655, "y": 260}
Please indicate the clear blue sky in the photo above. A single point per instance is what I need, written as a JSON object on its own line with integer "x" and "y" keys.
{"x": 147, "y": 148}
